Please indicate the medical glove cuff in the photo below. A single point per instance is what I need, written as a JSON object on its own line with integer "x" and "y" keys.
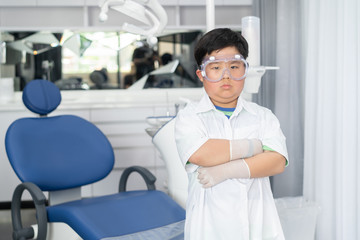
{"x": 244, "y": 148}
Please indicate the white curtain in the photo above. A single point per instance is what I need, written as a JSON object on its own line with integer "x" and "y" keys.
{"x": 332, "y": 115}
{"x": 282, "y": 90}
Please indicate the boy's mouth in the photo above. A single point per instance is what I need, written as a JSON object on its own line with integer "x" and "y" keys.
{"x": 226, "y": 86}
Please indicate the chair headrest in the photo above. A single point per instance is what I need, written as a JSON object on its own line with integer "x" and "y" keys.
{"x": 41, "y": 96}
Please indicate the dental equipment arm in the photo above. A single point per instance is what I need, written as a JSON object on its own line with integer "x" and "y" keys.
{"x": 151, "y": 39}
{"x": 266, "y": 164}
{"x": 160, "y": 13}
{"x": 104, "y": 8}
{"x": 153, "y": 12}
{"x": 217, "y": 151}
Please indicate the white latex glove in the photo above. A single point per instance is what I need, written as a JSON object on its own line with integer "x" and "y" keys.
{"x": 210, "y": 176}
{"x": 244, "y": 148}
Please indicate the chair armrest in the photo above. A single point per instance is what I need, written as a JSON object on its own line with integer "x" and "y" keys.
{"x": 39, "y": 200}
{"x": 148, "y": 177}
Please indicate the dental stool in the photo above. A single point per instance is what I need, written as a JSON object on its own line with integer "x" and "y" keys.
{"x": 58, "y": 155}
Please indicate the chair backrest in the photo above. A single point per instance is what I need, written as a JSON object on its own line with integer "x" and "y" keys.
{"x": 164, "y": 141}
{"x": 59, "y": 152}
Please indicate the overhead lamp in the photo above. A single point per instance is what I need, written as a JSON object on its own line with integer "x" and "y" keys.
{"x": 134, "y": 10}
{"x": 20, "y": 46}
{"x": 119, "y": 41}
{"x": 72, "y": 43}
{"x": 149, "y": 12}
{"x": 151, "y": 39}
{"x": 43, "y": 38}
{"x": 27, "y": 44}
{"x": 76, "y": 43}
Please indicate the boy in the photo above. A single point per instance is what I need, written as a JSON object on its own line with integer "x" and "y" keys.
{"x": 220, "y": 140}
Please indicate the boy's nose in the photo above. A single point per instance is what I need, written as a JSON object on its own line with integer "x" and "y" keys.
{"x": 226, "y": 73}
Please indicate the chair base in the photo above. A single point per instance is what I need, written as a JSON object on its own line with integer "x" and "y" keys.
{"x": 58, "y": 231}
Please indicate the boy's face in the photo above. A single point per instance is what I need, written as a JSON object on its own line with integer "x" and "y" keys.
{"x": 225, "y": 92}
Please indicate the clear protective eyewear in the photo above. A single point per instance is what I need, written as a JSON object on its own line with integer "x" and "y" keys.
{"x": 213, "y": 68}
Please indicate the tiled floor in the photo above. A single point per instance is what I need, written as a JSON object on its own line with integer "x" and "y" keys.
{"x": 27, "y": 216}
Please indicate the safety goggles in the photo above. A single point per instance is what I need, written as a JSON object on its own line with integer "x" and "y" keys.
{"x": 213, "y": 68}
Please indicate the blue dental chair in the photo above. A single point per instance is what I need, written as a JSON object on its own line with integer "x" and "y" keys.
{"x": 60, "y": 154}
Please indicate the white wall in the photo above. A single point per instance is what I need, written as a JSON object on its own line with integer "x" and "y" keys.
{"x": 83, "y": 14}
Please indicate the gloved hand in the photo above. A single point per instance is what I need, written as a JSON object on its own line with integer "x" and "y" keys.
{"x": 210, "y": 176}
{"x": 244, "y": 148}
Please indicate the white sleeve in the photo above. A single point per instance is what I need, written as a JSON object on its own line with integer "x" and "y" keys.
{"x": 190, "y": 135}
{"x": 272, "y": 135}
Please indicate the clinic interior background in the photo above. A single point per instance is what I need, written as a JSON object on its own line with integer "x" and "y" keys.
{"x": 314, "y": 93}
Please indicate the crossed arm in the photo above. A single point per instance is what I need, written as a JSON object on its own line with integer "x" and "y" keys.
{"x": 214, "y": 157}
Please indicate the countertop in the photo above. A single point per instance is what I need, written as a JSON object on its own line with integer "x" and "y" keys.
{"x": 79, "y": 99}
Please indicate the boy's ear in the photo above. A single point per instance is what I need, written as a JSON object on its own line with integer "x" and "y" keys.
{"x": 200, "y": 76}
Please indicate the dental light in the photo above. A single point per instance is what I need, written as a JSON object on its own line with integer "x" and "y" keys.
{"x": 251, "y": 32}
{"x": 26, "y": 44}
{"x": 75, "y": 43}
{"x": 149, "y": 12}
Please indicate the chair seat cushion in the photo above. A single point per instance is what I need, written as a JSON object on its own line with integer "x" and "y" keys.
{"x": 117, "y": 214}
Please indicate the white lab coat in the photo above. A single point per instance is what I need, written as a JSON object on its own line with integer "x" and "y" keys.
{"x": 238, "y": 209}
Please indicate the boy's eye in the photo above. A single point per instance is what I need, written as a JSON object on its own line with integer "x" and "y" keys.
{"x": 236, "y": 65}
{"x": 213, "y": 66}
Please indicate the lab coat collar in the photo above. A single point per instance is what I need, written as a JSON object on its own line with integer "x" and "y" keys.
{"x": 243, "y": 104}
{"x": 206, "y": 105}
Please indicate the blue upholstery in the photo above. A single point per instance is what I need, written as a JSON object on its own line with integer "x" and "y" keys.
{"x": 118, "y": 214}
{"x": 63, "y": 152}
{"x": 53, "y": 148}
{"x": 41, "y": 97}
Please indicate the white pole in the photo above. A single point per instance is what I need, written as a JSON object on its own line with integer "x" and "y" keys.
{"x": 250, "y": 27}
{"x": 210, "y": 15}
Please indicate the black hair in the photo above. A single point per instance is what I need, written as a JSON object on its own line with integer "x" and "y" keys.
{"x": 217, "y": 39}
